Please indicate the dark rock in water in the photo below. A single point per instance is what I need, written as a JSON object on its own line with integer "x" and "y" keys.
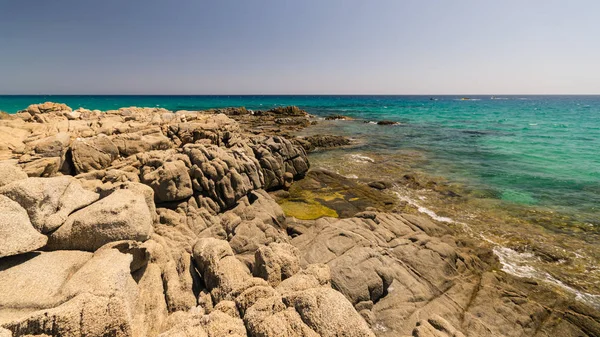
{"x": 311, "y": 143}
{"x": 380, "y": 185}
{"x": 387, "y": 123}
{"x": 232, "y": 111}
{"x": 338, "y": 117}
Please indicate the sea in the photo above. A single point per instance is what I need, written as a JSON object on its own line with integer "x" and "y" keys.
{"x": 523, "y": 171}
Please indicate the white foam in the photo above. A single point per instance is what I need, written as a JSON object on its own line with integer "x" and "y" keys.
{"x": 520, "y": 265}
{"x": 427, "y": 211}
{"x": 361, "y": 159}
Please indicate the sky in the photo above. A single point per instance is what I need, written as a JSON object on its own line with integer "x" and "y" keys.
{"x": 299, "y": 47}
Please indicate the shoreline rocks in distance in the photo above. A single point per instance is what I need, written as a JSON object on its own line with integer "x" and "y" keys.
{"x": 142, "y": 221}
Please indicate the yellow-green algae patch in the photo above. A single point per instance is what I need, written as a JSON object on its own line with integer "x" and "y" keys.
{"x": 306, "y": 211}
{"x": 306, "y": 205}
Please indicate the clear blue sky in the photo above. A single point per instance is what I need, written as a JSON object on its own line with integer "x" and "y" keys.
{"x": 299, "y": 47}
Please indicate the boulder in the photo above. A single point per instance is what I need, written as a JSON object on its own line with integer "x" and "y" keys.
{"x": 328, "y": 313}
{"x": 49, "y": 201}
{"x": 312, "y": 143}
{"x": 46, "y": 107}
{"x": 276, "y": 262}
{"x": 94, "y": 153}
{"x": 79, "y": 294}
{"x": 170, "y": 181}
{"x": 139, "y": 142}
{"x": 278, "y": 156}
{"x": 41, "y": 167}
{"x": 84, "y": 315}
{"x": 223, "y": 175}
{"x": 123, "y": 215}
{"x": 10, "y": 172}
{"x": 17, "y": 234}
{"x": 221, "y": 271}
{"x": 52, "y": 146}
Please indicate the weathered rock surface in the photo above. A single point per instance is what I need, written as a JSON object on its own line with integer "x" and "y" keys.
{"x": 123, "y": 215}
{"x": 49, "y": 201}
{"x": 93, "y": 153}
{"x": 17, "y": 234}
{"x": 10, "y": 172}
{"x": 312, "y": 143}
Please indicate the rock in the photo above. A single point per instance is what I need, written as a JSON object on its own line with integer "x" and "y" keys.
{"x": 10, "y": 172}
{"x": 84, "y": 315}
{"x": 271, "y": 318}
{"x": 41, "y": 167}
{"x": 385, "y": 122}
{"x": 140, "y": 142}
{"x": 278, "y": 156}
{"x": 49, "y": 201}
{"x": 436, "y": 327}
{"x": 94, "y": 153}
{"x": 312, "y": 143}
{"x": 170, "y": 181}
{"x": 224, "y": 176}
{"x": 338, "y": 117}
{"x": 288, "y": 111}
{"x": 17, "y": 234}
{"x": 79, "y": 293}
{"x": 313, "y": 276}
{"x": 328, "y": 313}
{"x": 46, "y": 107}
{"x": 379, "y": 185}
{"x": 221, "y": 271}
{"x": 123, "y": 215}
{"x": 276, "y": 262}
{"x": 52, "y": 146}
{"x": 215, "y": 324}
{"x": 256, "y": 221}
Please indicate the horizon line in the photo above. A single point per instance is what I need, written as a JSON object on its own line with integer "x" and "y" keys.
{"x": 321, "y": 94}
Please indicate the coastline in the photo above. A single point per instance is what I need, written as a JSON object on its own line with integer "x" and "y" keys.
{"x": 555, "y": 247}
{"x": 168, "y": 154}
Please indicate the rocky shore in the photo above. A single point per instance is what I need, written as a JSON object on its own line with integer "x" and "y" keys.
{"x": 147, "y": 222}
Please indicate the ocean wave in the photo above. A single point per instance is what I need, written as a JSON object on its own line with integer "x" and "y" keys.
{"x": 361, "y": 159}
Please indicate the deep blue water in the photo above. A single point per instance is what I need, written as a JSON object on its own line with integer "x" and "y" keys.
{"x": 538, "y": 150}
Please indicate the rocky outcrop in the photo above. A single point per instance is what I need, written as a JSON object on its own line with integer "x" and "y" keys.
{"x": 168, "y": 229}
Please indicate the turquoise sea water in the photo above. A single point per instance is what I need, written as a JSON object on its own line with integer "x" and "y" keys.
{"x": 530, "y": 150}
